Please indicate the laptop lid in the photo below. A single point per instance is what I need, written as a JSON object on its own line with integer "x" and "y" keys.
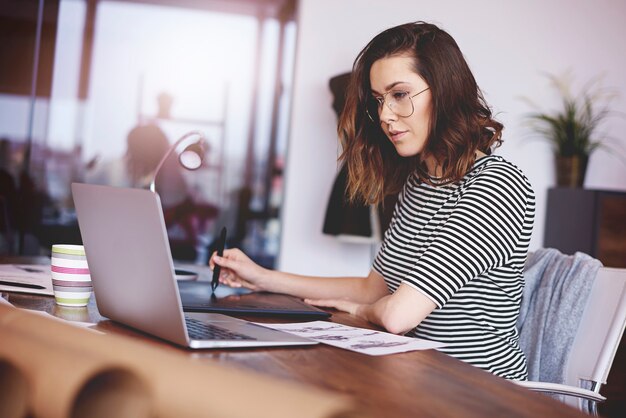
{"x": 129, "y": 259}
{"x": 132, "y": 272}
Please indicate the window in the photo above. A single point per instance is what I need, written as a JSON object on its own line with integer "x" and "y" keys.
{"x": 125, "y": 72}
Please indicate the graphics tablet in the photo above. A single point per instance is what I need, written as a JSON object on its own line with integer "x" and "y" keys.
{"x": 196, "y": 296}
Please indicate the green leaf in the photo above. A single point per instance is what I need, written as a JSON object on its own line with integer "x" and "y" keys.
{"x": 572, "y": 130}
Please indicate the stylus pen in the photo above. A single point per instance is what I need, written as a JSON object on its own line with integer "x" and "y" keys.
{"x": 220, "y": 252}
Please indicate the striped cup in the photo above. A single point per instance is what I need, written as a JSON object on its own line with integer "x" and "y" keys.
{"x": 71, "y": 281}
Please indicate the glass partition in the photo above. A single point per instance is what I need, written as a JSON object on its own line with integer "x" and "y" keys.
{"x": 118, "y": 83}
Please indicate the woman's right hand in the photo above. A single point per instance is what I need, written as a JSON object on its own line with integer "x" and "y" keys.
{"x": 238, "y": 270}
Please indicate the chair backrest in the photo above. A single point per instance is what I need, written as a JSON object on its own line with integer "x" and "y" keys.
{"x": 600, "y": 330}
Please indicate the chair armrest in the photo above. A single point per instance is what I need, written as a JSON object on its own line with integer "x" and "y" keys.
{"x": 561, "y": 389}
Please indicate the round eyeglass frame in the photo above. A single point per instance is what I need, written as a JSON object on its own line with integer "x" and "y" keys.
{"x": 377, "y": 120}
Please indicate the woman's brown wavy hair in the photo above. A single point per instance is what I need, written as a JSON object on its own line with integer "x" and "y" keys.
{"x": 461, "y": 121}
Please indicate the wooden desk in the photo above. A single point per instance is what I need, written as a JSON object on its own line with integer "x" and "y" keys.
{"x": 415, "y": 384}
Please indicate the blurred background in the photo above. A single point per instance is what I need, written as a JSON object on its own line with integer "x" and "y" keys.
{"x": 96, "y": 91}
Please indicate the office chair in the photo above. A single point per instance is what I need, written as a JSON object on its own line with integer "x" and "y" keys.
{"x": 595, "y": 344}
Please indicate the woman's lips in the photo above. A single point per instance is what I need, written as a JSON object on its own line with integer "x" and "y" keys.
{"x": 395, "y": 136}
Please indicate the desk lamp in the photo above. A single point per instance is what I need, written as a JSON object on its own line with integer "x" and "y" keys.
{"x": 190, "y": 157}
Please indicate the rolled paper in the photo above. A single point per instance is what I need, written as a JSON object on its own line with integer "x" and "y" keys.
{"x": 174, "y": 383}
{"x": 113, "y": 392}
{"x": 14, "y": 390}
{"x": 62, "y": 380}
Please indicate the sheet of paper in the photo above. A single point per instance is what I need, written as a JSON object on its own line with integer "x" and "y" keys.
{"x": 361, "y": 340}
{"x": 26, "y": 278}
{"x": 3, "y": 300}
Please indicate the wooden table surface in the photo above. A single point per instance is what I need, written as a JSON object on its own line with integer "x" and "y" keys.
{"x": 415, "y": 384}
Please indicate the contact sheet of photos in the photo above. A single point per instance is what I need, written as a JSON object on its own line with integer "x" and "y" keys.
{"x": 361, "y": 340}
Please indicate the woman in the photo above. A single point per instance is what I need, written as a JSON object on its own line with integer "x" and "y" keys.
{"x": 450, "y": 266}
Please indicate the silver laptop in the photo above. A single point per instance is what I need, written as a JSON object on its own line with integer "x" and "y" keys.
{"x": 133, "y": 278}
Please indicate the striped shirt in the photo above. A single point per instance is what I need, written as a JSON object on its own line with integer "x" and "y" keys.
{"x": 464, "y": 246}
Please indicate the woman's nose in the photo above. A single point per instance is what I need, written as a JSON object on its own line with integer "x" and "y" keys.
{"x": 386, "y": 114}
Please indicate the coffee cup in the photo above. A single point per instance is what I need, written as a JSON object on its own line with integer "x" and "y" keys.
{"x": 71, "y": 281}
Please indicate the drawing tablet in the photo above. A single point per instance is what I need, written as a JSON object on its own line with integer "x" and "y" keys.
{"x": 196, "y": 296}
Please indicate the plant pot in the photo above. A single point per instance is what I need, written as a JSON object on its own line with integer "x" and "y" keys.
{"x": 570, "y": 171}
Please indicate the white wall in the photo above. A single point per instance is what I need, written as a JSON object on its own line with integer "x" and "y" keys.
{"x": 509, "y": 46}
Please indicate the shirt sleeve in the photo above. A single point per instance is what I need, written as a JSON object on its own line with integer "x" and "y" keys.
{"x": 482, "y": 232}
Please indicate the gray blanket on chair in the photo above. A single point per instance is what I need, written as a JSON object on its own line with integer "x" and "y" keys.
{"x": 556, "y": 291}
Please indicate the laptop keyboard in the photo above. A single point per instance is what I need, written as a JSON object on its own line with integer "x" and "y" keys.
{"x": 199, "y": 330}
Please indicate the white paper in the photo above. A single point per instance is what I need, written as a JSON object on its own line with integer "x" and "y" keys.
{"x": 361, "y": 340}
{"x": 4, "y": 301}
{"x": 30, "y": 274}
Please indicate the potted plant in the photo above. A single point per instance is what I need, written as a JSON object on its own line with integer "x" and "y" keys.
{"x": 573, "y": 129}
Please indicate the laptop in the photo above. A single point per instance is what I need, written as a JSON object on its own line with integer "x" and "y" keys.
{"x": 133, "y": 277}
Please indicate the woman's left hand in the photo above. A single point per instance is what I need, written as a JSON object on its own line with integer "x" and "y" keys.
{"x": 341, "y": 305}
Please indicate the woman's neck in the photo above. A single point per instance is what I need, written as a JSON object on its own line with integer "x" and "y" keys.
{"x": 434, "y": 168}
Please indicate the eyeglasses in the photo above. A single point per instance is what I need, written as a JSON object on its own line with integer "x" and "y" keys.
{"x": 400, "y": 103}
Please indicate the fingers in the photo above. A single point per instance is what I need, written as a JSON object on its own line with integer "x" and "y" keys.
{"x": 234, "y": 253}
{"x": 211, "y": 262}
{"x": 326, "y": 303}
{"x": 229, "y": 279}
{"x": 228, "y": 263}
{"x": 237, "y": 269}
{"x": 226, "y": 253}
{"x": 230, "y": 282}
{"x": 231, "y": 254}
{"x": 231, "y": 251}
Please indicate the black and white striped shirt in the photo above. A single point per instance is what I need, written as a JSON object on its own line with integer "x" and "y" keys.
{"x": 464, "y": 246}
